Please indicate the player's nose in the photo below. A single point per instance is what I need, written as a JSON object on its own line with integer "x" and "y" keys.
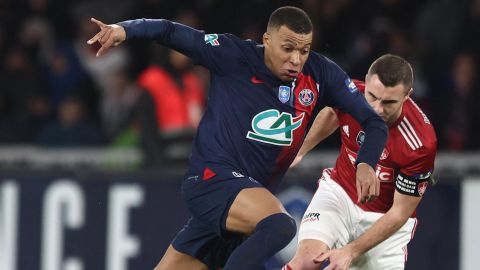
{"x": 295, "y": 58}
{"x": 378, "y": 107}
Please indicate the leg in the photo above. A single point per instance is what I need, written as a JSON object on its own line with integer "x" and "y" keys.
{"x": 326, "y": 223}
{"x": 307, "y": 250}
{"x": 389, "y": 254}
{"x": 198, "y": 247}
{"x": 172, "y": 259}
{"x": 257, "y": 212}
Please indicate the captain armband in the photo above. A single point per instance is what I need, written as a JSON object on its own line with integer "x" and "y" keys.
{"x": 412, "y": 185}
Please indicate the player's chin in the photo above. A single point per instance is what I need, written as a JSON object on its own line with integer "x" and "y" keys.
{"x": 286, "y": 77}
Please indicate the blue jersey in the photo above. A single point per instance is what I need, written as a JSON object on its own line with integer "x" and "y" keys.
{"x": 254, "y": 122}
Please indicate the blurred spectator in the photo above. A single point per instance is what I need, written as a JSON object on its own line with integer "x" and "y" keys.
{"x": 66, "y": 76}
{"x": 118, "y": 103}
{"x": 456, "y": 105}
{"x": 171, "y": 106}
{"x": 24, "y": 105}
{"x": 71, "y": 128}
{"x": 178, "y": 94}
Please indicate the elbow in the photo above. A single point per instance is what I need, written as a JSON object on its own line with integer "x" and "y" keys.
{"x": 398, "y": 218}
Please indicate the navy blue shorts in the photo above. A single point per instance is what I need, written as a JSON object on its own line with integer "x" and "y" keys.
{"x": 209, "y": 192}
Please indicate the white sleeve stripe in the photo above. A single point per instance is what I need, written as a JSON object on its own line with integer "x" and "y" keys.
{"x": 406, "y": 138}
{"x": 413, "y": 131}
{"x": 409, "y": 134}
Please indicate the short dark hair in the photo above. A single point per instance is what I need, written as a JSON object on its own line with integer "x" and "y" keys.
{"x": 294, "y": 18}
{"x": 393, "y": 70}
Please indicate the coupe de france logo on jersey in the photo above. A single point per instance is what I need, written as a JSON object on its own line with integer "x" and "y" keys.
{"x": 283, "y": 93}
{"x": 351, "y": 86}
{"x": 273, "y": 127}
{"x": 212, "y": 39}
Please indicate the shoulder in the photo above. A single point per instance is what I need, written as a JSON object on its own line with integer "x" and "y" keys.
{"x": 325, "y": 71}
{"x": 320, "y": 63}
{"x": 230, "y": 40}
{"x": 416, "y": 130}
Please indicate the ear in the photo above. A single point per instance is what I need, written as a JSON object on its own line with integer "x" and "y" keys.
{"x": 266, "y": 38}
{"x": 409, "y": 93}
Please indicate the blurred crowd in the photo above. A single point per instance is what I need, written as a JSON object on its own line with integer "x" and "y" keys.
{"x": 54, "y": 92}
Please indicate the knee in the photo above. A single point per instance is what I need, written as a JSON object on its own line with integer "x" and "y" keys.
{"x": 288, "y": 229}
{"x": 281, "y": 227}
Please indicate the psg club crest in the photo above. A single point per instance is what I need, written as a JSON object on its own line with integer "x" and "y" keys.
{"x": 306, "y": 97}
{"x": 283, "y": 93}
{"x": 360, "y": 138}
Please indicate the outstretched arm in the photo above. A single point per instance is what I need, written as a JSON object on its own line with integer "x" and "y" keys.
{"x": 174, "y": 35}
{"x": 324, "y": 125}
{"x": 211, "y": 51}
{"x": 402, "y": 208}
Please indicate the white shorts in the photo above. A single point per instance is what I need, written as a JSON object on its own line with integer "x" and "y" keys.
{"x": 334, "y": 219}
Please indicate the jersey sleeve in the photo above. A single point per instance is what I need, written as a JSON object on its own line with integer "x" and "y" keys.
{"x": 414, "y": 178}
{"x": 214, "y": 51}
{"x": 342, "y": 93}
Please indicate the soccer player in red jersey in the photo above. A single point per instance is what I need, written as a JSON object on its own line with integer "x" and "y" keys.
{"x": 374, "y": 235}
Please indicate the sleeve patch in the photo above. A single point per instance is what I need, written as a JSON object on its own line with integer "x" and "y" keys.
{"x": 411, "y": 185}
{"x": 351, "y": 85}
{"x": 212, "y": 39}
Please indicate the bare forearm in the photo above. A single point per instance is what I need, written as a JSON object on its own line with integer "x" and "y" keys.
{"x": 324, "y": 125}
{"x": 385, "y": 227}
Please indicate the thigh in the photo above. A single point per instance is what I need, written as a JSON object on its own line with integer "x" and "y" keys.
{"x": 327, "y": 217}
{"x": 250, "y": 206}
{"x": 201, "y": 242}
{"x": 210, "y": 198}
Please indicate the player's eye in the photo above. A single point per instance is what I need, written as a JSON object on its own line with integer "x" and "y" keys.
{"x": 305, "y": 51}
{"x": 288, "y": 49}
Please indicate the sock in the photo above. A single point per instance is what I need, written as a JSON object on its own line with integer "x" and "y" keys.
{"x": 271, "y": 235}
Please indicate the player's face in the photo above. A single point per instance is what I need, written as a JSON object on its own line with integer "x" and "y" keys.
{"x": 386, "y": 101}
{"x": 286, "y": 52}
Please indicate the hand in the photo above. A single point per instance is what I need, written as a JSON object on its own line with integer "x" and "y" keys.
{"x": 109, "y": 35}
{"x": 297, "y": 160}
{"x": 368, "y": 185}
{"x": 339, "y": 259}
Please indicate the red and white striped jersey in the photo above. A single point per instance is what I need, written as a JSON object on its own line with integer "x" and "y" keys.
{"x": 406, "y": 163}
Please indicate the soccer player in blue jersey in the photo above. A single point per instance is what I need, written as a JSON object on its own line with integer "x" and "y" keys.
{"x": 262, "y": 100}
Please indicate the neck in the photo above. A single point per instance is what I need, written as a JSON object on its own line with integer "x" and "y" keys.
{"x": 395, "y": 117}
{"x": 267, "y": 61}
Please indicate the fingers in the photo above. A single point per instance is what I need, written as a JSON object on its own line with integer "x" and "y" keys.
{"x": 96, "y": 37}
{"x": 321, "y": 257}
{"x": 364, "y": 192}
{"x": 106, "y": 39}
{"x": 99, "y": 23}
{"x": 359, "y": 192}
{"x": 105, "y": 47}
{"x": 372, "y": 191}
